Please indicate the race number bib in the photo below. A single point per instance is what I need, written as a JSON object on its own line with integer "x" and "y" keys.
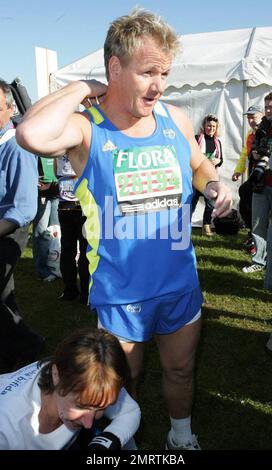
{"x": 66, "y": 188}
{"x": 147, "y": 179}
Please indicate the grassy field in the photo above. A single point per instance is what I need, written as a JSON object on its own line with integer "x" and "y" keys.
{"x": 233, "y": 400}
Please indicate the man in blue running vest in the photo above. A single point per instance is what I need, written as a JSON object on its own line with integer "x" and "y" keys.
{"x": 136, "y": 159}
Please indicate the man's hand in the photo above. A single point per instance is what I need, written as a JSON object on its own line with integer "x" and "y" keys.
{"x": 221, "y": 195}
{"x": 51, "y": 126}
{"x": 215, "y": 161}
{"x": 236, "y": 176}
{"x": 88, "y": 102}
{"x": 97, "y": 92}
{"x": 255, "y": 155}
{"x": 43, "y": 186}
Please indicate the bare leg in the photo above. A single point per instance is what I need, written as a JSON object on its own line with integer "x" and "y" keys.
{"x": 177, "y": 353}
{"x": 135, "y": 354}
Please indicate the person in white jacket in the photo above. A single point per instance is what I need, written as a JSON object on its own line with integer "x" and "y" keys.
{"x": 54, "y": 404}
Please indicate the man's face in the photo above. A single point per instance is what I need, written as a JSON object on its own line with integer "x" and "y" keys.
{"x": 268, "y": 109}
{"x": 254, "y": 119}
{"x": 142, "y": 80}
{"x": 5, "y": 112}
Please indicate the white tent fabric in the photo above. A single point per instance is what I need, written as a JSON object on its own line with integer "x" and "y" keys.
{"x": 220, "y": 72}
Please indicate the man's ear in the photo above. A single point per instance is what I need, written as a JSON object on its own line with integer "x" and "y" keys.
{"x": 11, "y": 110}
{"x": 114, "y": 68}
{"x": 55, "y": 374}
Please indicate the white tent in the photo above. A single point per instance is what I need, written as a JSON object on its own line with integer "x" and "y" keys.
{"x": 220, "y": 72}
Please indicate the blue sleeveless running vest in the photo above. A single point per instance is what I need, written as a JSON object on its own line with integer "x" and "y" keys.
{"x": 136, "y": 195}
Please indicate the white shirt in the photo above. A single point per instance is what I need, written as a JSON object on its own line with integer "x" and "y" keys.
{"x": 20, "y": 404}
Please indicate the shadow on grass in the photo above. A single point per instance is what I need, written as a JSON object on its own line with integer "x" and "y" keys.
{"x": 231, "y": 241}
{"x": 233, "y": 283}
{"x": 232, "y": 407}
{"x": 234, "y": 360}
{"x": 215, "y": 314}
{"x": 233, "y": 393}
{"x": 234, "y": 425}
{"x": 238, "y": 260}
{"x": 233, "y": 389}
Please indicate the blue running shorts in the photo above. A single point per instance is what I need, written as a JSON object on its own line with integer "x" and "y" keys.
{"x": 139, "y": 321}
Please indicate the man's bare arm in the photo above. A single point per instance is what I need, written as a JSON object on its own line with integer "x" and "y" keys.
{"x": 50, "y": 126}
{"x": 205, "y": 177}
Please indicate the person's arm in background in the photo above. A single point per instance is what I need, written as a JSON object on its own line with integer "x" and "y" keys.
{"x": 218, "y": 161}
{"x": 206, "y": 180}
{"x": 125, "y": 418}
{"x": 22, "y": 189}
{"x": 125, "y": 415}
{"x": 205, "y": 177}
{"x": 241, "y": 164}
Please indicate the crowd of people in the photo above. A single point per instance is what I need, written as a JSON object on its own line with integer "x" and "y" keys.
{"x": 130, "y": 159}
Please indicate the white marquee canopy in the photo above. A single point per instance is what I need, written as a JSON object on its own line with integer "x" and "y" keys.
{"x": 220, "y": 72}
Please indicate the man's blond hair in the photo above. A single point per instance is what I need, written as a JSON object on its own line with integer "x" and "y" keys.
{"x": 129, "y": 32}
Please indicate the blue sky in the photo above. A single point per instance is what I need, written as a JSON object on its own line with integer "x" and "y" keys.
{"x": 76, "y": 28}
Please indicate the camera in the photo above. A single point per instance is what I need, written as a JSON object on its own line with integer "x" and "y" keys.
{"x": 261, "y": 147}
{"x": 21, "y": 100}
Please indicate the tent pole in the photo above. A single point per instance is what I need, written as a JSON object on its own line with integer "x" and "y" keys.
{"x": 46, "y": 63}
{"x": 245, "y": 91}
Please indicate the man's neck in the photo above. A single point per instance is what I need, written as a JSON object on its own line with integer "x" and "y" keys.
{"x": 4, "y": 129}
{"x": 126, "y": 122}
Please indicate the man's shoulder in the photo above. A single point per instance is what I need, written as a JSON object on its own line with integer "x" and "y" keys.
{"x": 14, "y": 148}
{"x": 9, "y": 149}
{"x": 7, "y": 136}
{"x": 181, "y": 120}
{"x": 176, "y": 112}
{"x": 8, "y": 143}
{"x": 12, "y": 142}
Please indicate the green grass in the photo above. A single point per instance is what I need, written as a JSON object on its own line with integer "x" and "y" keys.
{"x": 233, "y": 399}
